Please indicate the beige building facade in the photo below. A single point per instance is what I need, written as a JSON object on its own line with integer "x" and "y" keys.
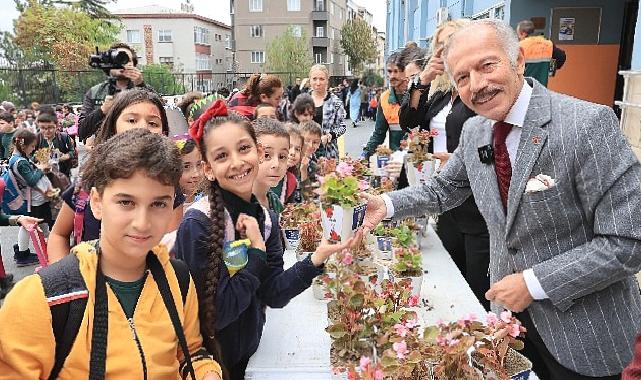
{"x": 256, "y": 22}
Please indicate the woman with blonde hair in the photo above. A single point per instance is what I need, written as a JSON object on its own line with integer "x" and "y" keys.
{"x": 329, "y": 112}
{"x": 435, "y": 106}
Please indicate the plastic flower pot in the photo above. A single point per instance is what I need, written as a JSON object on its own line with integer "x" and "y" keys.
{"x": 419, "y": 172}
{"x": 291, "y": 235}
{"x": 340, "y": 223}
{"x": 319, "y": 290}
{"x": 339, "y": 373}
{"x": 415, "y": 281}
{"x": 377, "y": 164}
{"x": 301, "y": 255}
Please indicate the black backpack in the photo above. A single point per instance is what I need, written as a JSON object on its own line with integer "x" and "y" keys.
{"x": 67, "y": 295}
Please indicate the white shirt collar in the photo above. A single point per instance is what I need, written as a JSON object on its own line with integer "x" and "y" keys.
{"x": 517, "y": 113}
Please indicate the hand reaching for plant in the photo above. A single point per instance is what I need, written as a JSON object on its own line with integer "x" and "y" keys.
{"x": 393, "y": 169}
{"x": 248, "y": 226}
{"x": 326, "y": 249}
{"x": 375, "y": 213}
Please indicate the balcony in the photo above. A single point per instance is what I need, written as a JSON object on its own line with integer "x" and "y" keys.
{"x": 320, "y": 41}
{"x": 320, "y": 15}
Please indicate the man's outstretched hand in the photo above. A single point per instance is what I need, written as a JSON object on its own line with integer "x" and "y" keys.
{"x": 375, "y": 213}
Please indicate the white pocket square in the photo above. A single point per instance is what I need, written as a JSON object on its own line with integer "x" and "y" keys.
{"x": 539, "y": 183}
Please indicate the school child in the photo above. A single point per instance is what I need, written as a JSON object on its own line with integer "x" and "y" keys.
{"x": 303, "y": 108}
{"x": 36, "y": 189}
{"x": 136, "y": 108}
{"x": 292, "y": 183}
{"x": 139, "y": 313}
{"x": 6, "y": 279}
{"x": 312, "y": 133}
{"x": 233, "y": 294}
{"x": 7, "y": 130}
{"x": 192, "y": 174}
{"x": 265, "y": 110}
{"x": 274, "y": 139}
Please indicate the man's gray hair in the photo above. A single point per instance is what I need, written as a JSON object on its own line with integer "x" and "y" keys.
{"x": 505, "y": 34}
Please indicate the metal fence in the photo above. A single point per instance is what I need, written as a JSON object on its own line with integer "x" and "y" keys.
{"x": 49, "y": 86}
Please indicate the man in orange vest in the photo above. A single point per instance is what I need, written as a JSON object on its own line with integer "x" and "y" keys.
{"x": 540, "y": 53}
{"x": 387, "y": 110}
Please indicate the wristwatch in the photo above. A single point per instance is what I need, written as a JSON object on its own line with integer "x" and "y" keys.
{"x": 417, "y": 85}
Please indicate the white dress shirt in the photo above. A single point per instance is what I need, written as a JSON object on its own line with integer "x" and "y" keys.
{"x": 516, "y": 117}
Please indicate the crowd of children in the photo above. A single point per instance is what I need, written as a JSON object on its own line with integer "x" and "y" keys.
{"x": 209, "y": 197}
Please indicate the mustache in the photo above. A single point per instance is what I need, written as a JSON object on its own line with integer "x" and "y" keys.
{"x": 485, "y": 94}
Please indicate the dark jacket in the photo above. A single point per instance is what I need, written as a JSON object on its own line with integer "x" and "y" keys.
{"x": 467, "y": 214}
{"x": 63, "y": 143}
{"x": 241, "y": 300}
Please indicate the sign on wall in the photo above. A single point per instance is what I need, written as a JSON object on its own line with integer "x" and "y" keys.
{"x": 576, "y": 26}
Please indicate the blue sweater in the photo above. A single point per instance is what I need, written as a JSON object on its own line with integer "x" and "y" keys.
{"x": 241, "y": 300}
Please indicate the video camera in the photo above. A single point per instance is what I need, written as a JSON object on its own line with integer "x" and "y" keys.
{"x": 108, "y": 60}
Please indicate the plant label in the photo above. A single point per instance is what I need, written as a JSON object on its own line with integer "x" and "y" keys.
{"x": 292, "y": 238}
{"x": 384, "y": 243}
{"x": 340, "y": 223}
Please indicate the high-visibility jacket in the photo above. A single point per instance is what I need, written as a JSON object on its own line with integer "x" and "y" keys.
{"x": 387, "y": 120}
{"x": 538, "y": 54}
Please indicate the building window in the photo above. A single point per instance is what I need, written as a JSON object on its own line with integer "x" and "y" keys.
{"x": 499, "y": 12}
{"x": 203, "y": 63}
{"x": 167, "y": 61}
{"x": 228, "y": 41}
{"x": 318, "y": 58}
{"x": 293, "y": 5}
{"x": 255, "y": 5}
{"x": 331, "y": 8}
{"x": 320, "y": 31}
{"x": 319, "y": 5}
{"x": 297, "y": 30}
{"x": 133, "y": 36}
{"x": 164, "y": 35}
{"x": 256, "y": 30}
{"x": 258, "y": 57}
{"x": 201, "y": 35}
{"x": 331, "y": 58}
{"x": 219, "y": 61}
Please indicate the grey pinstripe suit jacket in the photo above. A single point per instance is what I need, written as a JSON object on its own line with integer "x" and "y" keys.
{"x": 582, "y": 237}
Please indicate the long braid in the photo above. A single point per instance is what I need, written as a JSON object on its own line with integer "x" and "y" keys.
{"x": 212, "y": 273}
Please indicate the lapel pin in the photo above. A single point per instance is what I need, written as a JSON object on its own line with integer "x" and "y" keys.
{"x": 536, "y": 140}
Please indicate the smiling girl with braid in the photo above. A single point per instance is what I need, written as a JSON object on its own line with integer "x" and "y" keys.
{"x": 233, "y": 300}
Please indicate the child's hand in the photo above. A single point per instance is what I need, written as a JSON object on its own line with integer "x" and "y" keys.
{"x": 326, "y": 249}
{"x": 28, "y": 222}
{"x": 248, "y": 226}
{"x": 52, "y": 193}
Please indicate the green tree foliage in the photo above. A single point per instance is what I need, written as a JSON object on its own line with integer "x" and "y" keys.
{"x": 160, "y": 78}
{"x": 358, "y": 43}
{"x": 62, "y": 35}
{"x": 94, "y": 8}
{"x": 289, "y": 54}
{"x": 372, "y": 78}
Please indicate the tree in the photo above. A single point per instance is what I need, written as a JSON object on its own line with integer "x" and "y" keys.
{"x": 160, "y": 78}
{"x": 288, "y": 53}
{"x": 358, "y": 43}
{"x": 61, "y": 35}
{"x": 94, "y": 8}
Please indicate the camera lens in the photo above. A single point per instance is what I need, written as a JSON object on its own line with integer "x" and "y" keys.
{"x": 120, "y": 58}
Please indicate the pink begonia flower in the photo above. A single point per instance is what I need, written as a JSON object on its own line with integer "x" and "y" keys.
{"x": 514, "y": 330}
{"x": 400, "y": 348}
{"x": 365, "y": 360}
{"x": 321, "y": 180}
{"x": 401, "y": 329}
{"x": 378, "y": 374}
{"x": 411, "y": 323}
{"x": 363, "y": 185}
{"x": 506, "y": 316}
{"x": 348, "y": 259}
{"x": 344, "y": 169}
{"x": 412, "y": 301}
{"x": 471, "y": 317}
{"x": 492, "y": 319}
{"x": 454, "y": 342}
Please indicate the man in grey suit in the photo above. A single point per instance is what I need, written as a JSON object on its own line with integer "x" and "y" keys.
{"x": 560, "y": 190}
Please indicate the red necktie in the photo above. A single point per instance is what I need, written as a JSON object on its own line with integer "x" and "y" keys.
{"x": 502, "y": 164}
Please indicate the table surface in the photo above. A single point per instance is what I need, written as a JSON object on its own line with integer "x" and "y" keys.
{"x": 295, "y": 345}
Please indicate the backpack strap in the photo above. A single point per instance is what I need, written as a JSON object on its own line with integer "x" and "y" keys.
{"x": 160, "y": 277}
{"x": 182, "y": 274}
{"x": 67, "y": 295}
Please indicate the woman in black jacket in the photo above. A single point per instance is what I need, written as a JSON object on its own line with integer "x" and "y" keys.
{"x": 432, "y": 103}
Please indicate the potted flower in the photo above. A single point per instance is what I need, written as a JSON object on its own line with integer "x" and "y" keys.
{"x": 310, "y": 238}
{"x": 379, "y": 159}
{"x": 292, "y": 217}
{"x": 419, "y": 163}
{"x": 319, "y": 287}
{"x": 408, "y": 266}
{"x": 342, "y": 212}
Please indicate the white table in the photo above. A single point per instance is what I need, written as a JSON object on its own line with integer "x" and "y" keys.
{"x": 295, "y": 345}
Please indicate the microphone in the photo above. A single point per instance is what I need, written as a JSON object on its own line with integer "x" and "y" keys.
{"x": 486, "y": 154}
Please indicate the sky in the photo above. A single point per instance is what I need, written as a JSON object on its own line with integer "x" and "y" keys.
{"x": 214, "y": 9}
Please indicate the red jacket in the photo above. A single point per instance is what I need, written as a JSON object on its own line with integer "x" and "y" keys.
{"x": 633, "y": 370}
{"x": 241, "y": 104}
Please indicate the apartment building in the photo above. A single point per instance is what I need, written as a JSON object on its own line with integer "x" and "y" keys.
{"x": 184, "y": 41}
{"x": 256, "y": 22}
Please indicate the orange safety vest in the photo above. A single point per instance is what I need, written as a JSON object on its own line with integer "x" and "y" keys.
{"x": 390, "y": 110}
{"x": 537, "y": 49}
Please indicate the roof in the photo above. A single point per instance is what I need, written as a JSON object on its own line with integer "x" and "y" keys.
{"x": 159, "y": 12}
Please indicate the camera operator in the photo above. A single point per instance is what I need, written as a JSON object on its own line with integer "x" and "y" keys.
{"x": 99, "y": 98}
